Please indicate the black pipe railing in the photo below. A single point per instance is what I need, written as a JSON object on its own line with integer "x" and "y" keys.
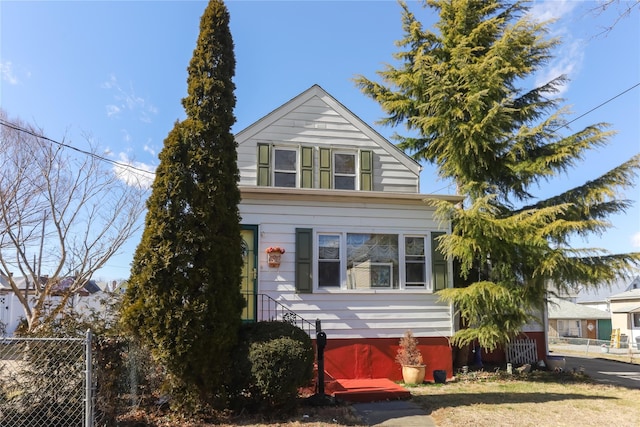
{"x": 271, "y": 310}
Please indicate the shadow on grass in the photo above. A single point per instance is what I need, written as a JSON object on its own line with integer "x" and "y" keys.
{"x": 432, "y": 403}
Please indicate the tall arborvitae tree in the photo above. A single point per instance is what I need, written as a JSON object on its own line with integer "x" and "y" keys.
{"x": 456, "y": 89}
{"x": 183, "y": 297}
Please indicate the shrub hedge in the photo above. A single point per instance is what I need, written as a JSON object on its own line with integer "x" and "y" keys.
{"x": 271, "y": 361}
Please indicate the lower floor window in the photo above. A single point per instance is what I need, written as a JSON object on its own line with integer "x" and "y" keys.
{"x": 372, "y": 261}
{"x": 569, "y": 328}
{"x": 636, "y": 320}
{"x": 329, "y": 260}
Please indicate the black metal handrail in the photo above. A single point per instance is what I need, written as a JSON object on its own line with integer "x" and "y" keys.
{"x": 270, "y": 309}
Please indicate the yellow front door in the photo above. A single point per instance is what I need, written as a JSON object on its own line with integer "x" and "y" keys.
{"x": 249, "y": 272}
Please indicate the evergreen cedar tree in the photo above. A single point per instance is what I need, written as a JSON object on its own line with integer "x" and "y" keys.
{"x": 183, "y": 298}
{"x": 456, "y": 90}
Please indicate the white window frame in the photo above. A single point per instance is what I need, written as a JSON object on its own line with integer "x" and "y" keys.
{"x": 356, "y": 168}
{"x": 316, "y": 261}
{"x": 570, "y": 325}
{"x": 345, "y": 283}
{"x": 427, "y": 261}
{"x": 295, "y": 171}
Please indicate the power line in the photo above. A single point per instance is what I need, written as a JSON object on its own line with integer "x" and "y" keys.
{"x": 577, "y": 118}
{"x": 131, "y": 167}
{"x": 600, "y": 105}
{"x": 79, "y": 150}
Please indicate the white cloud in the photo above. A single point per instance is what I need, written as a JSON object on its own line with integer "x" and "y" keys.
{"x": 7, "y": 74}
{"x": 552, "y": 9}
{"x": 134, "y": 173}
{"x": 109, "y": 83}
{"x": 126, "y": 136}
{"x": 112, "y": 110}
{"x": 568, "y": 60}
{"x": 127, "y": 100}
{"x": 635, "y": 240}
{"x": 569, "y": 55}
{"x": 149, "y": 149}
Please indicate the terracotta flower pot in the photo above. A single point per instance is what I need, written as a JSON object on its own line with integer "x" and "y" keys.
{"x": 413, "y": 374}
{"x": 273, "y": 258}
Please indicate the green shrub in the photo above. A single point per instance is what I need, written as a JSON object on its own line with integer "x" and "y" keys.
{"x": 272, "y": 360}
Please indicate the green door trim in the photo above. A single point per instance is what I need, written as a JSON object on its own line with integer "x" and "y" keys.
{"x": 252, "y": 275}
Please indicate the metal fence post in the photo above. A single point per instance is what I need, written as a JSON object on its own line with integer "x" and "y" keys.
{"x": 88, "y": 404}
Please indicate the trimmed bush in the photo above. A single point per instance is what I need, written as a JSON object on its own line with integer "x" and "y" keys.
{"x": 271, "y": 361}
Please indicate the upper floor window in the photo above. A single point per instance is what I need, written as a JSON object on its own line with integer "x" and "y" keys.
{"x": 285, "y": 167}
{"x": 314, "y": 167}
{"x": 344, "y": 175}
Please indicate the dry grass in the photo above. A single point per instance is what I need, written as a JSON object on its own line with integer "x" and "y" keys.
{"x": 543, "y": 399}
{"x": 305, "y": 416}
{"x": 538, "y": 399}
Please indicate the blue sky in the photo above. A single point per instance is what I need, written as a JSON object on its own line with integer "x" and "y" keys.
{"x": 115, "y": 72}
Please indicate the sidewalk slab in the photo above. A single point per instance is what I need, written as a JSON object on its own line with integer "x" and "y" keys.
{"x": 398, "y": 413}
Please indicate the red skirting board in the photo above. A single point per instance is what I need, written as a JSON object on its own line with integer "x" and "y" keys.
{"x": 362, "y": 358}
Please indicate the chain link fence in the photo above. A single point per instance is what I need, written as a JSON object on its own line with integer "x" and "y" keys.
{"x": 74, "y": 382}
{"x": 596, "y": 348}
{"x": 45, "y": 382}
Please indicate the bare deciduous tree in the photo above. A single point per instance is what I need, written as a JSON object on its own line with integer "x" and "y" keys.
{"x": 623, "y": 8}
{"x": 63, "y": 214}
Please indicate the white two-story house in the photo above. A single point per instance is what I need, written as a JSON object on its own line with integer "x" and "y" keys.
{"x": 359, "y": 239}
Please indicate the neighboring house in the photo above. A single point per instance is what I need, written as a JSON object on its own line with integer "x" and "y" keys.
{"x": 359, "y": 237}
{"x": 11, "y": 310}
{"x": 567, "y": 319}
{"x": 599, "y": 297}
{"x": 87, "y": 299}
{"x": 620, "y": 300}
{"x": 625, "y": 313}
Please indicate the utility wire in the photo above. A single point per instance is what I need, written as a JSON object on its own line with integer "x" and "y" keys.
{"x": 124, "y": 165}
{"x": 577, "y": 118}
{"x": 79, "y": 150}
{"x": 600, "y": 105}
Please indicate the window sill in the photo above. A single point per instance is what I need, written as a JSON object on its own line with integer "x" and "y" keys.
{"x": 371, "y": 291}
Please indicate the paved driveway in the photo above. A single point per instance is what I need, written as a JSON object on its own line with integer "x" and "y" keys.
{"x": 607, "y": 371}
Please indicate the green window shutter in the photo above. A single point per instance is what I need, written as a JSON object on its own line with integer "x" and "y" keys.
{"x": 439, "y": 265}
{"x": 366, "y": 170}
{"x": 325, "y": 168}
{"x": 304, "y": 260}
{"x": 306, "y": 167}
{"x": 264, "y": 164}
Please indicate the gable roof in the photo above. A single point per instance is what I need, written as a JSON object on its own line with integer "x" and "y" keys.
{"x": 563, "y": 309}
{"x": 605, "y": 292}
{"x": 316, "y": 91}
{"x": 627, "y": 308}
{"x": 23, "y": 283}
{"x": 630, "y": 294}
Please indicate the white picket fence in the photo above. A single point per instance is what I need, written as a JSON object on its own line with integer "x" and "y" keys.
{"x": 520, "y": 352}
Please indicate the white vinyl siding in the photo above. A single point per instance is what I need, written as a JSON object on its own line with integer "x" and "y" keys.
{"x": 319, "y": 121}
{"x": 346, "y": 313}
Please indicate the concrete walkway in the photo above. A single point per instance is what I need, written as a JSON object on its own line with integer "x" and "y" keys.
{"x": 606, "y": 371}
{"x": 398, "y": 413}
